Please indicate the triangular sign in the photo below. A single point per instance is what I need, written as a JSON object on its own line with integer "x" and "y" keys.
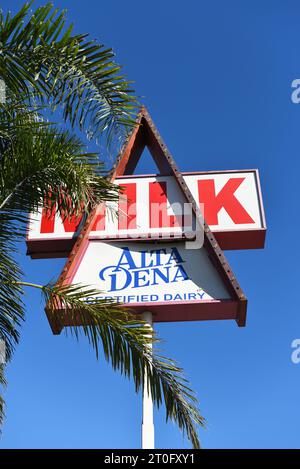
{"x": 173, "y": 282}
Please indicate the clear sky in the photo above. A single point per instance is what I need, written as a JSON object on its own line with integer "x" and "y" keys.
{"x": 216, "y": 78}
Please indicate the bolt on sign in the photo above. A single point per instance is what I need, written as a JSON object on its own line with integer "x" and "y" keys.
{"x": 163, "y": 252}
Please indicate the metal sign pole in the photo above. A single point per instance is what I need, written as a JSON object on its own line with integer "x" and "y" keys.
{"x": 147, "y": 423}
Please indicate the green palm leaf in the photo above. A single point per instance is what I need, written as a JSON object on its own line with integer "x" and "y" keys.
{"x": 40, "y": 55}
{"x": 46, "y": 164}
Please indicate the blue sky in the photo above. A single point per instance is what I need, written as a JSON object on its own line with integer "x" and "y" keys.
{"x": 216, "y": 78}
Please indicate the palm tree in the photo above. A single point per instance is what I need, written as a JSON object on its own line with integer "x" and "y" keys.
{"x": 43, "y": 65}
{"x": 40, "y": 55}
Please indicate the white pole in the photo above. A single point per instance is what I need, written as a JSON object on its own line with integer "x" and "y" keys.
{"x": 147, "y": 423}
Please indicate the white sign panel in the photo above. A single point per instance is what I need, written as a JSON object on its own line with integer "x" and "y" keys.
{"x": 154, "y": 205}
{"x": 149, "y": 273}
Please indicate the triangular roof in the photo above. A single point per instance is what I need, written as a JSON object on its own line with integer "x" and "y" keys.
{"x": 146, "y": 134}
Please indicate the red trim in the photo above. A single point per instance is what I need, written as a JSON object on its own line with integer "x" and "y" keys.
{"x": 45, "y": 248}
{"x": 228, "y": 240}
{"x": 177, "y": 311}
{"x": 243, "y": 239}
{"x": 188, "y": 310}
{"x": 188, "y": 173}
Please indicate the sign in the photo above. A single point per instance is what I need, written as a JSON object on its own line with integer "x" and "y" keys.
{"x": 163, "y": 278}
{"x": 159, "y": 274}
{"x": 230, "y": 201}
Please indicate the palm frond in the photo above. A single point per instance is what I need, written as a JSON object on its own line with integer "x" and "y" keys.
{"x": 37, "y": 162}
{"x": 11, "y": 305}
{"x": 40, "y": 163}
{"x": 125, "y": 340}
{"x": 38, "y": 53}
